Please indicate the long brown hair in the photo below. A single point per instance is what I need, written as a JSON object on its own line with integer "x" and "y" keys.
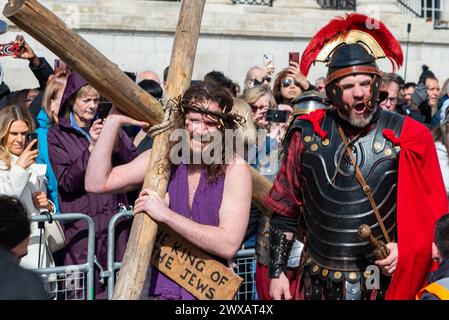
{"x": 277, "y": 88}
{"x": 202, "y": 92}
{"x": 7, "y": 116}
{"x": 277, "y": 85}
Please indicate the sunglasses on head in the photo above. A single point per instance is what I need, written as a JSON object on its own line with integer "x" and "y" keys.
{"x": 288, "y": 82}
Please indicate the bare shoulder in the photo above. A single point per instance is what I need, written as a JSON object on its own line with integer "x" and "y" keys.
{"x": 237, "y": 163}
{"x": 238, "y": 169}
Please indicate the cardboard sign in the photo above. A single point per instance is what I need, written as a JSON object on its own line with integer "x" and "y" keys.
{"x": 193, "y": 269}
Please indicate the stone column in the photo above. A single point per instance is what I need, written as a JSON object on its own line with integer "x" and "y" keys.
{"x": 305, "y": 4}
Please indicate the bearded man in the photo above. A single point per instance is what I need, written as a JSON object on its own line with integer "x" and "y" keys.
{"x": 350, "y": 166}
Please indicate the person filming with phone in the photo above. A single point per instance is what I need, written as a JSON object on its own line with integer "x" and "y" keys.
{"x": 260, "y": 76}
{"x": 290, "y": 83}
{"x": 70, "y": 143}
{"x": 264, "y": 157}
{"x": 21, "y": 177}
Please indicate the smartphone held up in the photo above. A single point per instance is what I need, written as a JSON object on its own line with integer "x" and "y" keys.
{"x": 30, "y": 136}
{"x": 293, "y": 57}
{"x": 103, "y": 110}
{"x": 268, "y": 60}
{"x": 278, "y": 116}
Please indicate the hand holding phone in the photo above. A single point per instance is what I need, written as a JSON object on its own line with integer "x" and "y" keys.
{"x": 30, "y": 136}
{"x": 293, "y": 57}
{"x": 268, "y": 60}
{"x": 27, "y": 157}
{"x": 274, "y": 115}
{"x": 103, "y": 110}
{"x": 60, "y": 66}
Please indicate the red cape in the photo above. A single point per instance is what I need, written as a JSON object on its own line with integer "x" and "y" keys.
{"x": 421, "y": 201}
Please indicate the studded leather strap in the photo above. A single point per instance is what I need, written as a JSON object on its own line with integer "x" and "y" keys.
{"x": 279, "y": 252}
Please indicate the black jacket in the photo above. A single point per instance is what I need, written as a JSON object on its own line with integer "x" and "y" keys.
{"x": 17, "y": 283}
{"x": 42, "y": 73}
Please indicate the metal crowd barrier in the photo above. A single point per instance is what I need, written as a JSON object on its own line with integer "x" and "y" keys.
{"x": 245, "y": 261}
{"x": 68, "y": 278}
{"x": 113, "y": 266}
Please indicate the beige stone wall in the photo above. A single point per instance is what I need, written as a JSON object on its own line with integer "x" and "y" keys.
{"x": 445, "y": 15}
{"x": 138, "y": 35}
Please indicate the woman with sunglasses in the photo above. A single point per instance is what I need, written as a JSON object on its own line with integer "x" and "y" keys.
{"x": 290, "y": 83}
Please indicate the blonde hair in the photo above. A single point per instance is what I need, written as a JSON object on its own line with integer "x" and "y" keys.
{"x": 83, "y": 92}
{"x": 54, "y": 86}
{"x": 251, "y": 95}
{"x": 7, "y": 116}
{"x": 248, "y": 130}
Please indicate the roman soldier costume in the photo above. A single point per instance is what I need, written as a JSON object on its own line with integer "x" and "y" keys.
{"x": 348, "y": 178}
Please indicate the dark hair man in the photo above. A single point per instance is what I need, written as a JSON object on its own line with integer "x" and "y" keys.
{"x": 16, "y": 283}
{"x": 390, "y": 85}
{"x": 438, "y": 289}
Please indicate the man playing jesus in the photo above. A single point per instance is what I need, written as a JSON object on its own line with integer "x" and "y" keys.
{"x": 207, "y": 204}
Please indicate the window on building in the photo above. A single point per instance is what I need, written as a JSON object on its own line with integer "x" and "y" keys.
{"x": 432, "y": 9}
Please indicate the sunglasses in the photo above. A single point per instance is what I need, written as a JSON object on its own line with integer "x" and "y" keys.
{"x": 255, "y": 108}
{"x": 288, "y": 82}
{"x": 267, "y": 79}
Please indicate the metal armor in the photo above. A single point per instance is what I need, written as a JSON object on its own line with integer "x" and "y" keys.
{"x": 334, "y": 210}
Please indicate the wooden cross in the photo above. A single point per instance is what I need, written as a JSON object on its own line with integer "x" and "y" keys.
{"x": 133, "y": 101}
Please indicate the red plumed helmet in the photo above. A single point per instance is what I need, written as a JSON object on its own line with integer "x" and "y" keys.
{"x": 353, "y": 28}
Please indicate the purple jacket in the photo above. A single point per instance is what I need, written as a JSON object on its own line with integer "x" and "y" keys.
{"x": 68, "y": 148}
{"x": 69, "y": 154}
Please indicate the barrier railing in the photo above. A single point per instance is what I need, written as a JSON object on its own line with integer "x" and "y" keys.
{"x": 245, "y": 261}
{"x": 70, "y": 276}
{"x": 113, "y": 266}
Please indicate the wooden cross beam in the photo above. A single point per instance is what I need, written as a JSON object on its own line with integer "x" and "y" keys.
{"x": 49, "y": 30}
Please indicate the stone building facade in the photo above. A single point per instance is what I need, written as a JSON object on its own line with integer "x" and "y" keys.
{"x": 138, "y": 35}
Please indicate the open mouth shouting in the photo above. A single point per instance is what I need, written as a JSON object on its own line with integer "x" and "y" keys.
{"x": 359, "y": 108}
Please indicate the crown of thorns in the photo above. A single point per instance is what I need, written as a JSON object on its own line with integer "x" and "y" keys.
{"x": 226, "y": 117}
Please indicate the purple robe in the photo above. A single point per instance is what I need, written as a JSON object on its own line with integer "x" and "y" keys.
{"x": 205, "y": 210}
